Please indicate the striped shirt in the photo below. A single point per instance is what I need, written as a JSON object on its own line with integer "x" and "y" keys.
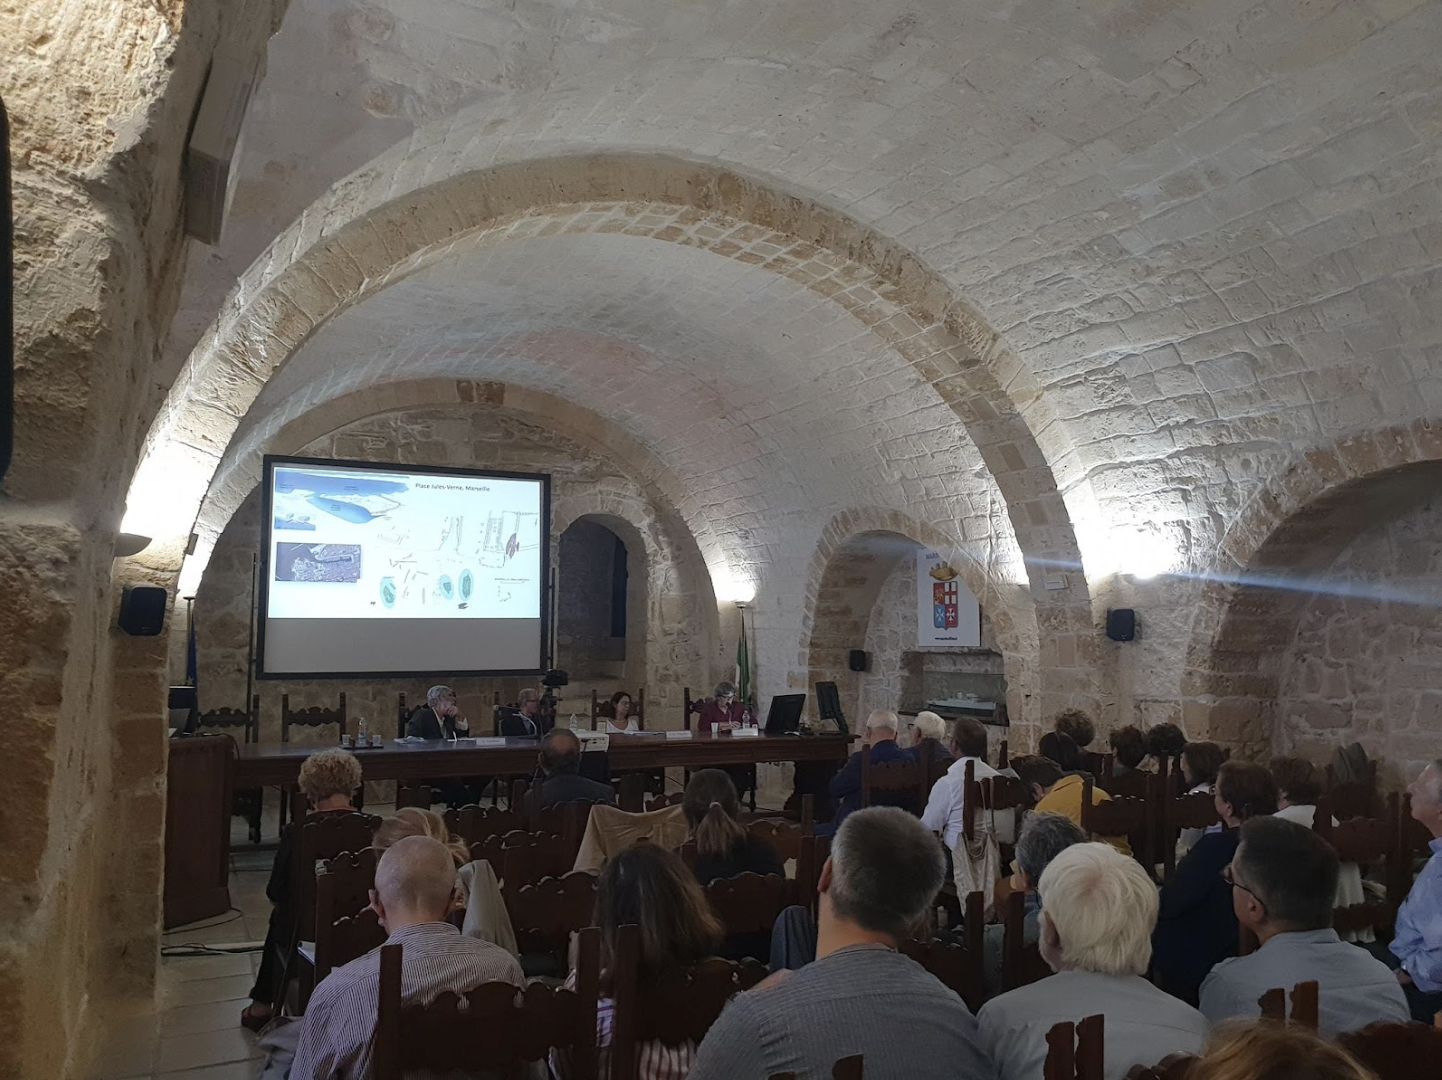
{"x": 654, "y": 1059}
{"x": 338, "y": 1033}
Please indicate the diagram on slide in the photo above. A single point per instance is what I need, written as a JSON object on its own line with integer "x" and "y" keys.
{"x": 385, "y": 545}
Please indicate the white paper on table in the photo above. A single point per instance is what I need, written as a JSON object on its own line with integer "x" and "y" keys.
{"x": 492, "y": 740}
{"x": 745, "y": 732}
{"x": 678, "y": 734}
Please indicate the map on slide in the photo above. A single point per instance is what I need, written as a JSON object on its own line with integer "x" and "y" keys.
{"x": 353, "y": 544}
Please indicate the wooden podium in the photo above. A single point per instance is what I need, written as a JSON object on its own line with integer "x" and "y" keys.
{"x": 197, "y": 828}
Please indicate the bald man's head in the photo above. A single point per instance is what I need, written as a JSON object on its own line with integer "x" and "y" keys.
{"x": 415, "y": 879}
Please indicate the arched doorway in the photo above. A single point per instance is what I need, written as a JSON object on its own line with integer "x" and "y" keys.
{"x": 601, "y": 604}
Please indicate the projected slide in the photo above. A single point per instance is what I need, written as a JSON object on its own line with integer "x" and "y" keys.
{"x": 367, "y": 565}
{"x": 382, "y": 545}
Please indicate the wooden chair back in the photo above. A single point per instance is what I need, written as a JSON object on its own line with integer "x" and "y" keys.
{"x": 1021, "y": 962}
{"x": 749, "y": 903}
{"x": 521, "y": 1026}
{"x": 566, "y": 819}
{"x": 1136, "y": 784}
{"x": 1118, "y": 816}
{"x": 544, "y": 914}
{"x": 1003, "y": 756}
{"x": 1100, "y": 765}
{"x": 527, "y": 858}
{"x": 316, "y": 716}
{"x": 1197, "y": 811}
{"x": 900, "y": 777}
{"x": 1397, "y": 1051}
{"x": 402, "y": 715}
{"x": 323, "y": 839}
{"x": 848, "y": 1068}
{"x": 961, "y": 968}
{"x": 660, "y": 802}
{"x": 345, "y": 926}
{"x": 1371, "y": 843}
{"x": 814, "y": 851}
{"x": 783, "y": 835}
{"x": 246, "y": 719}
{"x": 689, "y": 706}
{"x": 1354, "y": 798}
{"x": 672, "y": 1009}
{"x": 1076, "y": 1051}
{"x": 475, "y": 824}
{"x": 1304, "y": 1005}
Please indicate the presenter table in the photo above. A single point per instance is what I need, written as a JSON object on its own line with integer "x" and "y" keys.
{"x": 260, "y": 764}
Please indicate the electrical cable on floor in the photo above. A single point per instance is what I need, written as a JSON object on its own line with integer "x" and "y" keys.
{"x": 197, "y": 949}
{"x": 230, "y": 916}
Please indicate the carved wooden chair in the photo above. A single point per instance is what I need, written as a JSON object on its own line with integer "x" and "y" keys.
{"x": 1118, "y": 816}
{"x": 315, "y": 717}
{"x": 544, "y": 914}
{"x": 419, "y": 795}
{"x": 521, "y": 1026}
{"x": 676, "y": 1008}
{"x": 959, "y": 967}
{"x": 661, "y": 802}
{"x": 783, "y": 835}
{"x": 1304, "y": 1005}
{"x": 1100, "y": 765}
{"x": 1197, "y": 811}
{"x": 473, "y": 823}
{"x": 1397, "y": 1051}
{"x": 345, "y": 927}
{"x": 528, "y": 858}
{"x": 1021, "y": 962}
{"x": 907, "y": 780}
{"x": 246, "y": 803}
{"x": 1371, "y": 843}
{"x": 402, "y": 715}
{"x": 1132, "y": 785}
{"x": 1076, "y": 1051}
{"x": 1003, "y": 755}
{"x": 748, "y": 906}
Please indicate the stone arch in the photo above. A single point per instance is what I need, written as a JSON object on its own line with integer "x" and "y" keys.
{"x": 283, "y": 300}
{"x": 1249, "y": 607}
{"x": 855, "y": 554}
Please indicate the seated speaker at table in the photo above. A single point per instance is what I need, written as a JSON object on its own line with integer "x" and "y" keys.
{"x": 523, "y": 718}
{"x": 439, "y": 718}
{"x": 723, "y": 712}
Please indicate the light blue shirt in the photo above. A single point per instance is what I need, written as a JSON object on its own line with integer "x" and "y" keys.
{"x": 1354, "y": 988}
{"x": 1418, "y": 941}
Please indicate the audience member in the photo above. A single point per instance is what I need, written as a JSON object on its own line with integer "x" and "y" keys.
{"x": 1043, "y": 837}
{"x": 1129, "y": 749}
{"x": 1197, "y": 926}
{"x": 724, "y": 847}
{"x": 1200, "y": 762}
{"x": 1076, "y": 726}
{"x": 416, "y": 821}
{"x": 1299, "y": 786}
{"x": 930, "y": 729}
{"x": 329, "y": 780}
{"x": 524, "y": 719}
{"x": 1061, "y": 749}
{"x": 562, "y": 781}
{"x": 1284, "y": 878}
{"x": 415, "y": 883}
{"x": 880, "y": 736}
{"x": 1098, "y": 911}
{"x": 860, "y": 996}
{"x": 1271, "y": 1051}
{"x": 943, "y": 812}
{"x": 650, "y": 888}
{"x": 1417, "y": 944}
{"x": 1056, "y": 793}
{"x": 621, "y": 722}
{"x": 1165, "y": 741}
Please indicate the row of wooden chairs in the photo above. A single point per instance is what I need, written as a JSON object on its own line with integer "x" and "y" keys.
{"x": 1393, "y": 1051}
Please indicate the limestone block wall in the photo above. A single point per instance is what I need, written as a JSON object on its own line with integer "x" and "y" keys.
{"x": 1365, "y": 662}
{"x": 583, "y": 483}
{"x": 584, "y": 646}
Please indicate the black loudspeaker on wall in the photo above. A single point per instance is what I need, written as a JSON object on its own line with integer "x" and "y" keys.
{"x": 1121, "y": 624}
{"x": 856, "y": 660}
{"x": 142, "y": 610}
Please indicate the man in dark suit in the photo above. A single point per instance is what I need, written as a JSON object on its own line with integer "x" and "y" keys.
{"x": 438, "y": 718}
{"x": 561, "y": 764}
{"x": 880, "y": 735}
{"x": 522, "y": 720}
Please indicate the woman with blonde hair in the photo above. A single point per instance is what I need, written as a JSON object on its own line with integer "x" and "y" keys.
{"x": 415, "y": 821}
{"x": 1266, "y": 1050}
{"x": 329, "y": 780}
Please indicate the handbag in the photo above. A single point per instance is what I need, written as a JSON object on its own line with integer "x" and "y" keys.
{"x": 976, "y": 864}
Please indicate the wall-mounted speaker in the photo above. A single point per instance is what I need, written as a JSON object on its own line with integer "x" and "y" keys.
{"x": 1121, "y": 624}
{"x": 142, "y": 610}
{"x": 857, "y": 659}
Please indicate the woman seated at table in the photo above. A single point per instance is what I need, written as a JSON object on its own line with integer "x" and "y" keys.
{"x": 650, "y": 888}
{"x": 722, "y": 712}
{"x": 620, "y": 721}
{"x": 328, "y": 780}
{"x": 724, "y": 847}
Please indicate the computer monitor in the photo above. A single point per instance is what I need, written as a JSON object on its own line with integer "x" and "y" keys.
{"x": 828, "y": 705}
{"x": 785, "y": 713}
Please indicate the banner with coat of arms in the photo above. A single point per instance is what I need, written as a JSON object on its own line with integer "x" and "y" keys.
{"x": 947, "y": 612}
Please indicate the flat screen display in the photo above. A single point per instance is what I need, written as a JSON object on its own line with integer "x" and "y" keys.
{"x": 374, "y": 569}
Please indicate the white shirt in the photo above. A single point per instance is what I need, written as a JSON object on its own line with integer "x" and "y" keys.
{"x": 1349, "y": 877}
{"x": 944, "y": 806}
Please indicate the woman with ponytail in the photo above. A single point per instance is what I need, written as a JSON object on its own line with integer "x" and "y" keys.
{"x": 724, "y": 848}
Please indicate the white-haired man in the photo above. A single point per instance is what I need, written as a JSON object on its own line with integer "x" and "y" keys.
{"x": 415, "y": 888}
{"x": 880, "y": 735}
{"x": 1098, "y": 911}
{"x": 860, "y": 996}
{"x": 439, "y": 718}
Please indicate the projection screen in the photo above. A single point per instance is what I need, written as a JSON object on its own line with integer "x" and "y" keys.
{"x": 371, "y": 569}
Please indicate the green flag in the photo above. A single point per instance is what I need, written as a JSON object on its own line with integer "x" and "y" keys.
{"x": 743, "y": 667}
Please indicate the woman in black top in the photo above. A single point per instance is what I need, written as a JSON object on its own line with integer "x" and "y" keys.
{"x": 724, "y": 848}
